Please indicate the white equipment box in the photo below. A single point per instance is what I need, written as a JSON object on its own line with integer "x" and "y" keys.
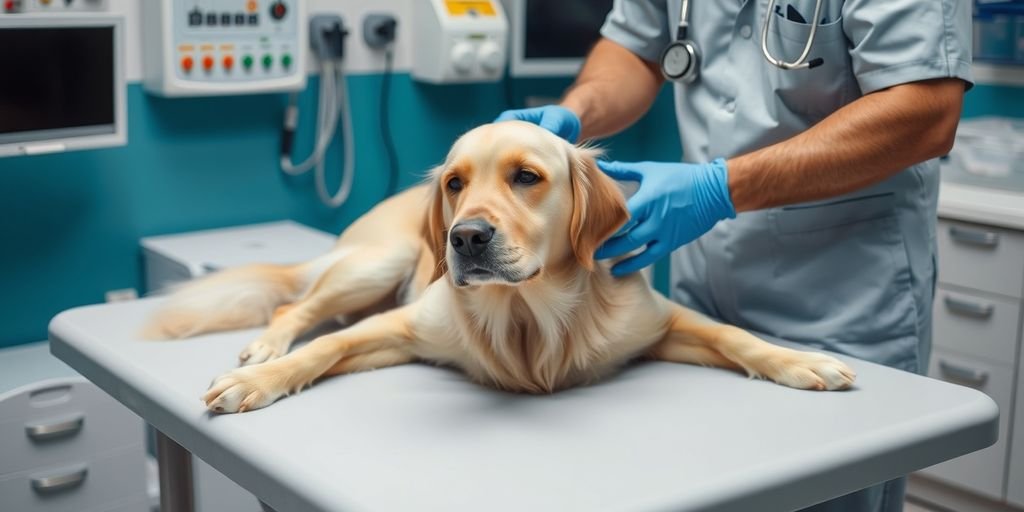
{"x": 458, "y": 41}
{"x": 222, "y": 47}
{"x": 172, "y": 259}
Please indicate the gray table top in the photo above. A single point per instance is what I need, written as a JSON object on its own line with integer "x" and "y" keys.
{"x": 658, "y": 436}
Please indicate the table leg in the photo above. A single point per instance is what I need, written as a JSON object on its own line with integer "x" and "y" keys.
{"x": 175, "y": 464}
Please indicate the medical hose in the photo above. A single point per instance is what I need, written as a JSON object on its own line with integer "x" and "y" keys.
{"x": 333, "y": 98}
{"x": 385, "y": 122}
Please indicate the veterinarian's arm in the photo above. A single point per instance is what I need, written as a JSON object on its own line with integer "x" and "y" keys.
{"x": 613, "y": 90}
{"x": 862, "y": 143}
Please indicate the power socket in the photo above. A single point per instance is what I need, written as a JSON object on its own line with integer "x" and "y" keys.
{"x": 327, "y": 35}
{"x": 379, "y": 29}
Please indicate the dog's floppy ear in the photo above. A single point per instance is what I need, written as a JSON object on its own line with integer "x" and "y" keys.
{"x": 598, "y": 209}
{"x": 435, "y": 232}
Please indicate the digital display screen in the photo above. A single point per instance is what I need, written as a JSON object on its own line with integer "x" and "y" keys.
{"x": 563, "y": 29}
{"x": 56, "y": 78}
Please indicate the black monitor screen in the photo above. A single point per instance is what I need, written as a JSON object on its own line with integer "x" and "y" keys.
{"x": 563, "y": 29}
{"x": 54, "y": 78}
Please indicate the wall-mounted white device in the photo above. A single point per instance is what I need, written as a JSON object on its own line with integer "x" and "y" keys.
{"x": 62, "y": 83}
{"x": 459, "y": 41}
{"x": 221, "y": 47}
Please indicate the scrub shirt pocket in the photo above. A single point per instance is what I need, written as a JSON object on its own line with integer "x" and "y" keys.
{"x": 848, "y": 266}
{"x": 815, "y": 92}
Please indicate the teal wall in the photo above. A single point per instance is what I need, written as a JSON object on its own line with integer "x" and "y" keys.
{"x": 70, "y": 223}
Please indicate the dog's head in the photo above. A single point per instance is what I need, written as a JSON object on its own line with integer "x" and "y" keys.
{"x": 513, "y": 199}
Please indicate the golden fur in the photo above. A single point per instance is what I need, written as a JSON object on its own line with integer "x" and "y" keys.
{"x": 535, "y": 314}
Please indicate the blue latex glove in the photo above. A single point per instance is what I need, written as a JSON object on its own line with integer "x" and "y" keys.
{"x": 558, "y": 120}
{"x": 675, "y": 204}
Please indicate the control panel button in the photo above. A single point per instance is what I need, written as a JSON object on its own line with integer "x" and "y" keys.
{"x": 286, "y": 60}
{"x": 240, "y": 18}
{"x": 254, "y": 19}
{"x": 278, "y": 10}
{"x": 251, "y": 6}
{"x": 187, "y": 63}
{"x": 12, "y": 5}
{"x": 207, "y": 63}
{"x": 195, "y": 17}
{"x": 228, "y": 62}
{"x": 267, "y": 61}
{"x": 211, "y": 18}
{"x": 462, "y": 57}
{"x": 489, "y": 56}
{"x": 247, "y": 62}
{"x": 225, "y": 18}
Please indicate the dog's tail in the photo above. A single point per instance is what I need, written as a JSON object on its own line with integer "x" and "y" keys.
{"x": 235, "y": 298}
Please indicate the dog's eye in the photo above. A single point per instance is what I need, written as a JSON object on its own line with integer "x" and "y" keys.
{"x": 526, "y": 177}
{"x": 455, "y": 184}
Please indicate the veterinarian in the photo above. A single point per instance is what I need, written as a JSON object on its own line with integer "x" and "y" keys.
{"x": 806, "y": 206}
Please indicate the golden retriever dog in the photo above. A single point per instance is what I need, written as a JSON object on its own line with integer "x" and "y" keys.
{"x": 488, "y": 268}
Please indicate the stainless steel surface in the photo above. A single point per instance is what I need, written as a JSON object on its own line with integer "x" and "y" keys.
{"x": 64, "y": 479}
{"x": 54, "y": 429}
{"x": 962, "y": 375}
{"x": 974, "y": 236}
{"x": 970, "y": 308}
{"x": 175, "y": 464}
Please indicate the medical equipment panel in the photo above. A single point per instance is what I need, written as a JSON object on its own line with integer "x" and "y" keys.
{"x": 458, "y": 41}
{"x": 64, "y": 87}
{"x": 221, "y": 47}
{"x": 552, "y": 38}
{"x": 33, "y": 6}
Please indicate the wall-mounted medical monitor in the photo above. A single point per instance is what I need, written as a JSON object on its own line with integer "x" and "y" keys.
{"x": 551, "y": 37}
{"x": 62, "y": 83}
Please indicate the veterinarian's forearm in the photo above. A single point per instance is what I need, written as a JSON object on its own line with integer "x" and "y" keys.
{"x": 861, "y": 144}
{"x": 613, "y": 90}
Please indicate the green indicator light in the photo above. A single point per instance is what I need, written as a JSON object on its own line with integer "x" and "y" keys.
{"x": 268, "y": 61}
{"x": 247, "y": 61}
{"x": 286, "y": 60}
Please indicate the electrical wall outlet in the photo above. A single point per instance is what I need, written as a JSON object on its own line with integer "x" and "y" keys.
{"x": 122, "y": 295}
{"x": 379, "y": 29}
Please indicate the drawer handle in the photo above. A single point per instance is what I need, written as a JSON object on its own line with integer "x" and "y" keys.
{"x": 61, "y": 428}
{"x": 974, "y": 236}
{"x": 57, "y": 482}
{"x": 962, "y": 375}
{"x": 969, "y": 308}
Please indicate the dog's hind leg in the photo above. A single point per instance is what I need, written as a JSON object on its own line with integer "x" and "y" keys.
{"x": 364, "y": 277}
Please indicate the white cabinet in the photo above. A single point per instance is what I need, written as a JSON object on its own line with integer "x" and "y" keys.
{"x": 65, "y": 446}
{"x": 976, "y": 338}
{"x": 1015, "y": 477}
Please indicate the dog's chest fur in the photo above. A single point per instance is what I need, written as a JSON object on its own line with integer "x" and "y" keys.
{"x": 547, "y": 336}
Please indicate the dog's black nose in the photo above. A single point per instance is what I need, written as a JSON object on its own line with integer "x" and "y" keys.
{"x": 470, "y": 237}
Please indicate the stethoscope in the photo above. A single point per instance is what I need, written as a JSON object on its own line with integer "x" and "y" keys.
{"x": 681, "y": 58}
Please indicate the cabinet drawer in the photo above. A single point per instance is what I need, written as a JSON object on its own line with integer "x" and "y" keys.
{"x": 61, "y": 420}
{"x": 980, "y": 472}
{"x": 78, "y": 486}
{"x": 976, "y": 325}
{"x": 981, "y": 257}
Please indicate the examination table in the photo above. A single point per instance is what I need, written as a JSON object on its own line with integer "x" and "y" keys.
{"x": 657, "y": 436}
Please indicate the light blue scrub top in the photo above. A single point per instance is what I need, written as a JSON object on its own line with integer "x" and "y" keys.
{"x": 855, "y": 273}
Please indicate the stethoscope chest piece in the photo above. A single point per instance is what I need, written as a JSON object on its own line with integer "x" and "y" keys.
{"x": 680, "y": 61}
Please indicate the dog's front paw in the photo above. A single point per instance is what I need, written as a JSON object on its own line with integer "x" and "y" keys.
{"x": 243, "y": 389}
{"x": 811, "y": 370}
{"x": 262, "y": 350}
